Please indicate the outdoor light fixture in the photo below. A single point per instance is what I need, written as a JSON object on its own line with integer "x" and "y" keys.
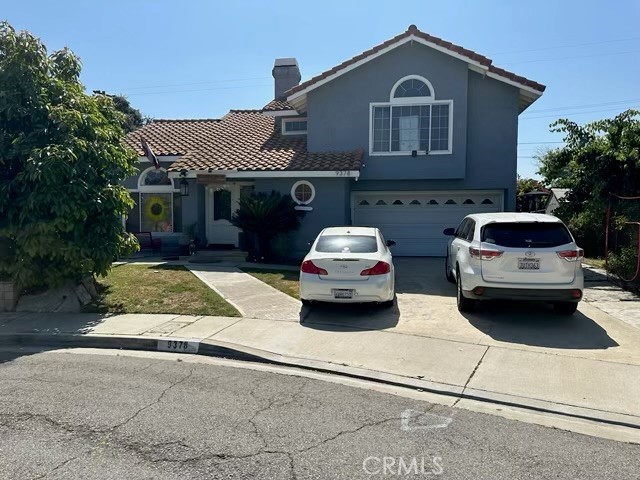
{"x": 184, "y": 185}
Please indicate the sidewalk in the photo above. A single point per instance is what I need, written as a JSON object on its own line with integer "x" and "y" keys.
{"x": 580, "y": 387}
{"x": 251, "y": 297}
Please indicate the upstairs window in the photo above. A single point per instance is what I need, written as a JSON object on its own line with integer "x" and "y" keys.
{"x": 294, "y": 126}
{"x": 413, "y": 87}
{"x": 412, "y": 120}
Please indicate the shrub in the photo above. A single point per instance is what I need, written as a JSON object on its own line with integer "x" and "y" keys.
{"x": 263, "y": 217}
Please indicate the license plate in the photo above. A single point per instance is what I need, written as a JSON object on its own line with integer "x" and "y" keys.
{"x": 342, "y": 293}
{"x": 528, "y": 264}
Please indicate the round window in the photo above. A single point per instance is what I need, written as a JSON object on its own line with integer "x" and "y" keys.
{"x": 303, "y": 192}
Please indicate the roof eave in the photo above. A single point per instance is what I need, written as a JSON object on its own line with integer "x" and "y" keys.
{"x": 298, "y": 97}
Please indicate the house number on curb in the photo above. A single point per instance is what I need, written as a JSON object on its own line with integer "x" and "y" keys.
{"x": 182, "y": 346}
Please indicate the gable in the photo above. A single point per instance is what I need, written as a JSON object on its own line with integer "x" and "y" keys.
{"x": 529, "y": 89}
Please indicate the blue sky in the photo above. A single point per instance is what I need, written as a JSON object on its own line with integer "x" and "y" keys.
{"x": 198, "y": 59}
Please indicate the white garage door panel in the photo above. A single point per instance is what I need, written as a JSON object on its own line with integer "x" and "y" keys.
{"x": 415, "y": 220}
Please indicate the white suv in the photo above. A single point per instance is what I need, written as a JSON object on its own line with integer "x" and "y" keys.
{"x": 518, "y": 256}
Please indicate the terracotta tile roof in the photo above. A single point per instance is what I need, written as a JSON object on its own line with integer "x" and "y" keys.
{"x": 277, "y": 105}
{"x": 243, "y": 140}
{"x": 413, "y": 30}
{"x": 173, "y": 137}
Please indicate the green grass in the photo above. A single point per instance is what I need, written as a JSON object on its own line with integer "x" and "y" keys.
{"x": 157, "y": 289}
{"x": 284, "y": 280}
{"x": 595, "y": 262}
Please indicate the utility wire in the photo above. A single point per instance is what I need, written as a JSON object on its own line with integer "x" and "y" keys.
{"x": 614, "y": 102}
{"x": 573, "y": 57}
{"x": 577, "y": 113}
{"x": 556, "y": 47}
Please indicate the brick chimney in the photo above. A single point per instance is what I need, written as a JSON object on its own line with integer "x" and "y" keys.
{"x": 286, "y": 75}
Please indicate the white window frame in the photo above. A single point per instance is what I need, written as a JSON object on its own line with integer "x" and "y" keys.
{"x": 406, "y": 153}
{"x": 295, "y": 119}
{"x": 410, "y": 101}
{"x": 296, "y": 185}
{"x": 155, "y": 188}
{"x": 142, "y": 188}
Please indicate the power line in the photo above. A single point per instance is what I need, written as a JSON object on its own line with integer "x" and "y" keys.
{"x": 574, "y": 57}
{"x": 577, "y": 113}
{"x": 200, "y": 89}
{"x": 556, "y": 47}
{"x": 535, "y": 143}
{"x": 571, "y": 107}
{"x": 193, "y": 83}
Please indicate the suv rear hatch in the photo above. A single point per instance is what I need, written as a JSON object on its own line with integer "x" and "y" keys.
{"x": 532, "y": 253}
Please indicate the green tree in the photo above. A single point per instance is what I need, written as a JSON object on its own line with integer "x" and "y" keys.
{"x": 264, "y": 216}
{"x": 597, "y": 159}
{"x": 528, "y": 185}
{"x": 62, "y": 161}
{"x": 133, "y": 119}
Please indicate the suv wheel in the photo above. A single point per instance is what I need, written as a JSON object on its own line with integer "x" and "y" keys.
{"x": 447, "y": 270}
{"x": 565, "y": 308}
{"x": 464, "y": 304}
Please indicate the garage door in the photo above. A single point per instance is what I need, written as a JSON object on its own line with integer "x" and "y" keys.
{"x": 415, "y": 220}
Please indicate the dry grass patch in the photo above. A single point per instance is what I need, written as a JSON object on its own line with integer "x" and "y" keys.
{"x": 595, "y": 262}
{"x": 286, "y": 281}
{"x": 157, "y": 289}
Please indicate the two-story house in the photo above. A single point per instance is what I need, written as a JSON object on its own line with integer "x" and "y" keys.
{"x": 409, "y": 136}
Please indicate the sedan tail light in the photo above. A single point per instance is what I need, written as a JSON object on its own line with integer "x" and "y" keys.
{"x": 309, "y": 267}
{"x": 484, "y": 254}
{"x": 572, "y": 255}
{"x": 379, "y": 268}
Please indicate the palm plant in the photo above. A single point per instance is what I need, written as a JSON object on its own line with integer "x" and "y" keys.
{"x": 262, "y": 217}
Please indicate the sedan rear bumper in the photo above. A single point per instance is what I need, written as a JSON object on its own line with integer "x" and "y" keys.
{"x": 376, "y": 288}
{"x": 533, "y": 294}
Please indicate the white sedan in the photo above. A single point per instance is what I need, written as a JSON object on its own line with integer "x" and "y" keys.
{"x": 348, "y": 265}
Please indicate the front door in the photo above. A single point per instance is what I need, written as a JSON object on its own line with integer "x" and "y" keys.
{"x": 222, "y": 202}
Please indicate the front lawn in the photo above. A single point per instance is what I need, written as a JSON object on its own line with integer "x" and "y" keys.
{"x": 284, "y": 280}
{"x": 157, "y": 289}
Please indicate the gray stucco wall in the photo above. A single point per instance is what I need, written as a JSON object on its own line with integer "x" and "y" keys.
{"x": 338, "y": 112}
{"x": 491, "y": 151}
{"x": 492, "y": 138}
{"x": 331, "y": 206}
{"x": 485, "y": 124}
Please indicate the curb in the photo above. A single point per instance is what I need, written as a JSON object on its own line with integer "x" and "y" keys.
{"x": 247, "y": 354}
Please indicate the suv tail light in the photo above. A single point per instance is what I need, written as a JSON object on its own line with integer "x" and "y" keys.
{"x": 309, "y": 267}
{"x": 379, "y": 268}
{"x": 484, "y": 254}
{"x": 572, "y": 255}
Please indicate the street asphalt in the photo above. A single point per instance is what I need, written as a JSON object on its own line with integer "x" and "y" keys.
{"x": 86, "y": 415}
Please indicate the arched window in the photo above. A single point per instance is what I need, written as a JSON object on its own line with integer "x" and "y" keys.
{"x": 413, "y": 122}
{"x": 155, "y": 201}
{"x": 413, "y": 87}
{"x": 155, "y": 179}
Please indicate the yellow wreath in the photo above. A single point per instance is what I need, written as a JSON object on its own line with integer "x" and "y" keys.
{"x": 156, "y": 209}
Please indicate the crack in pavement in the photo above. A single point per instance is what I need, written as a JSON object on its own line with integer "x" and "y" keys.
{"x": 475, "y": 369}
{"x": 60, "y": 465}
{"x": 155, "y": 402}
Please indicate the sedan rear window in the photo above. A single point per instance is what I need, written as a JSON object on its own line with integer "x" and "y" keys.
{"x": 347, "y": 244}
{"x": 526, "y": 235}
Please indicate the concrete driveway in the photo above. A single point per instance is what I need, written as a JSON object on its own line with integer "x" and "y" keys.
{"x": 426, "y": 306}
